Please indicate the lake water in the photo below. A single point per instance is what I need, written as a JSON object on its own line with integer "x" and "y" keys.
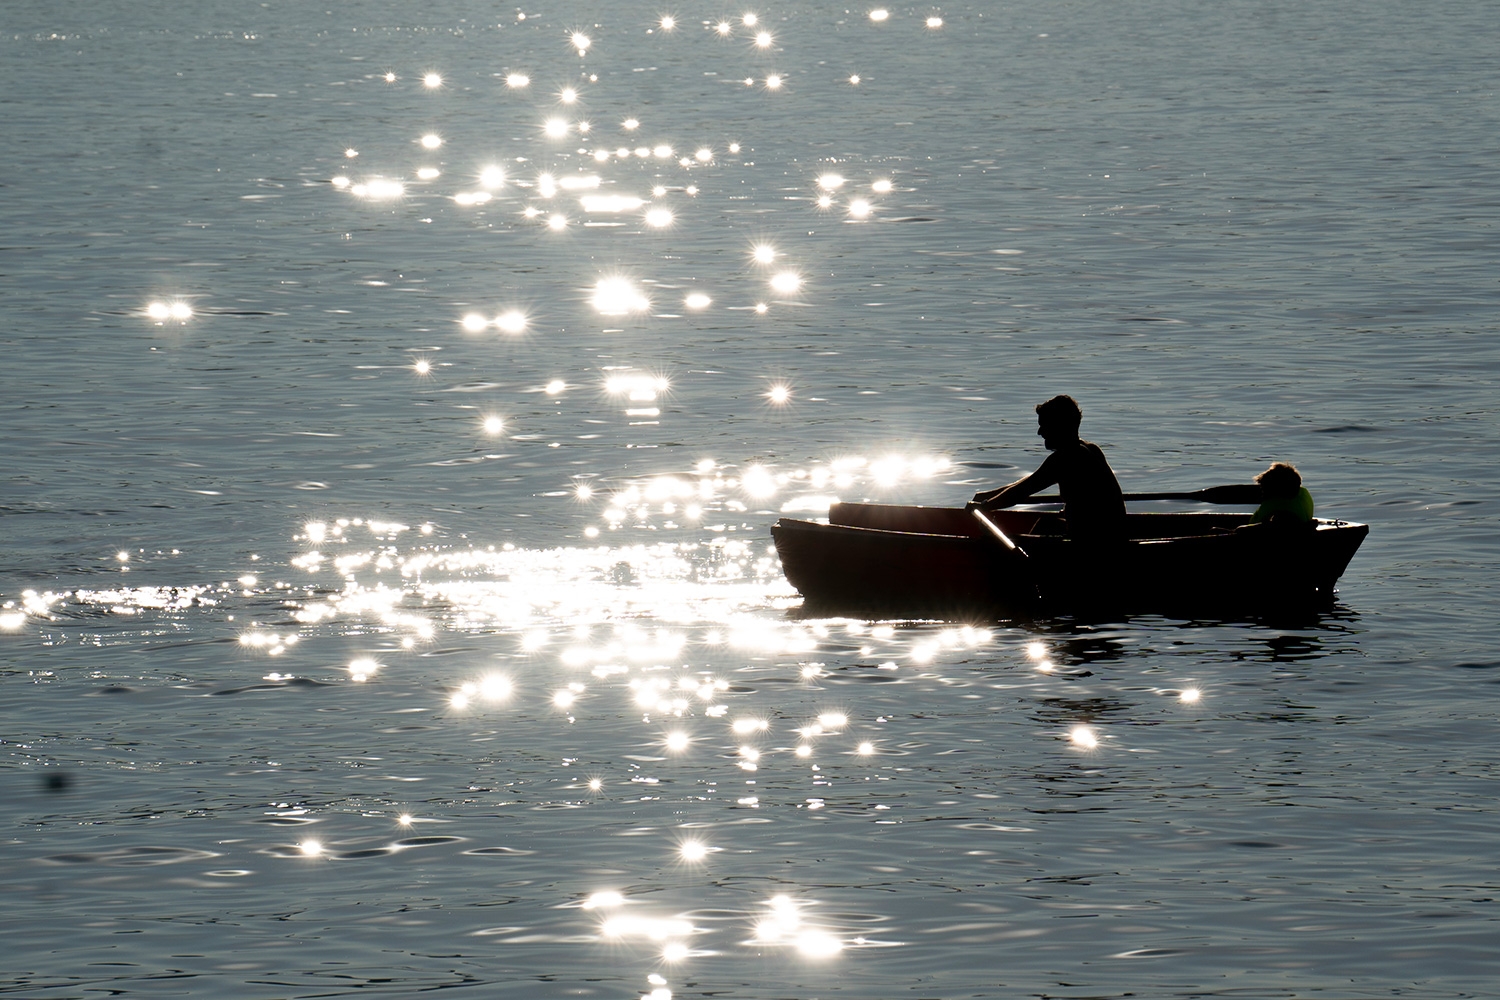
{"x": 388, "y": 600}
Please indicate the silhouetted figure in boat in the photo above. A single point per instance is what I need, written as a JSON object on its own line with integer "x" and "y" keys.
{"x": 1093, "y": 505}
{"x": 1284, "y": 500}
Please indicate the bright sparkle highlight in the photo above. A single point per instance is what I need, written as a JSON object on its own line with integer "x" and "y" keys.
{"x": 619, "y": 297}
{"x": 1083, "y": 737}
{"x": 513, "y": 321}
{"x": 787, "y": 282}
{"x": 431, "y": 140}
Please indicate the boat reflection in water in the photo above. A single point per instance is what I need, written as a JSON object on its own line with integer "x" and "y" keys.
{"x": 952, "y": 562}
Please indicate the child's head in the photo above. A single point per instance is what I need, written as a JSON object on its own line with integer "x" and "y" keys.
{"x": 1280, "y": 482}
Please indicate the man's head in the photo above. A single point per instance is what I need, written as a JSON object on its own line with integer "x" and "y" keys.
{"x": 1057, "y": 420}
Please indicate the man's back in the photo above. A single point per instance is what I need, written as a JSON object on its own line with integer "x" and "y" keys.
{"x": 1094, "y": 504}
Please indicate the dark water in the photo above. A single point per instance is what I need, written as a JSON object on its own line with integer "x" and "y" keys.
{"x": 538, "y": 662}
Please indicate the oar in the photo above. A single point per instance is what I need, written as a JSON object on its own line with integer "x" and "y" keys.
{"x": 1239, "y": 494}
{"x": 998, "y": 534}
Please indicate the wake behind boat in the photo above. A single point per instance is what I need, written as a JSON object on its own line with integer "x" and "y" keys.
{"x": 950, "y": 562}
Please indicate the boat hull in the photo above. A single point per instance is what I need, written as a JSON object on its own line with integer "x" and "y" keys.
{"x": 942, "y": 562}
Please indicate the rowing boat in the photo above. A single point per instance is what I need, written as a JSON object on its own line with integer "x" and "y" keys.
{"x": 950, "y": 562}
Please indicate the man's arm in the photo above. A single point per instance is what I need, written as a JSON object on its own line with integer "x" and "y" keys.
{"x": 1007, "y": 496}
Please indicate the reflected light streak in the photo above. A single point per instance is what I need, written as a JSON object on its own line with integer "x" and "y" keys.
{"x": 431, "y": 140}
{"x": 163, "y": 311}
{"x": 611, "y": 203}
{"x": 379, "y": 189}
{"x": 428, "y": 173}
{"x": 554, "y": 387}
{"x": 881, "y": 186}
{"x": 618, "y": 297}
{"x": 362, "y": 669}
{"x": 517, "y": 80}
{"x": 630, "y": 124}
{"x": 474, "y": 322}
{"x": 1083, "y": 736}
{"x": 697, "y": 300}
{"x": 659, "y": 218}
{"x": 340, "y": 182}
{"x": 787, "y": 282}
{"x": 830, "y": 182}
{"x": 606, "y": 899}
{"x": 513, "y": 321}
{"x": 310, "y": 848}
{"x": 879, "y": 14}
{"x": 655, "y": 928}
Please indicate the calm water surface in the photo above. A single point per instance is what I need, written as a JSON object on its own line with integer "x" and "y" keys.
{"x": 397, "y": 398}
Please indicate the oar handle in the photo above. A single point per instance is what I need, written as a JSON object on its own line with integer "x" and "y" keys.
{"x": 998, "y": 534}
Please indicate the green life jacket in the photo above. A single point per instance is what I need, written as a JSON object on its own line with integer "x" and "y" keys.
{"x": 1299, "y": 506}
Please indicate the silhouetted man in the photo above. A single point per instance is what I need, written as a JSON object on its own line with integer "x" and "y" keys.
{"x": 1093, "y": 505}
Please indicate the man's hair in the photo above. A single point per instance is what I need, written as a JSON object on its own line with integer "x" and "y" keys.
{"x": 1280, "y": 481}
{"x": 1060, "y": 410}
